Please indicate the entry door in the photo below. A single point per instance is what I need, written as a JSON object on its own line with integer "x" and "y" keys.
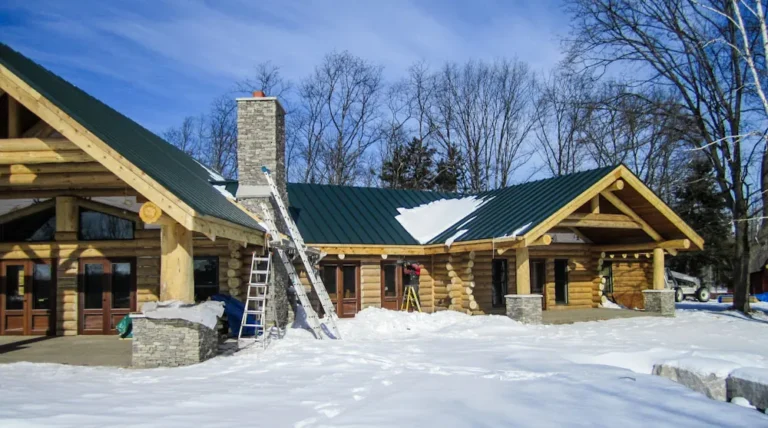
{"x": 391, "y": 286}
{"x": 499, "y": 282}
{"x": 343, "y": 286}
{"x": 538, "y": 279}
{"x": 27, "y": 298}
{"x": 107, "y": 294}
{"x": 561, "y": 281}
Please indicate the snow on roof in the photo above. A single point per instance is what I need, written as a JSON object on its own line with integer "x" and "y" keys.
{"x": 427, "y": 221}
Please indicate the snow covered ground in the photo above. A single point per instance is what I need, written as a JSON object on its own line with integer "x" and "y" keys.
{"x": 398, "y": 369}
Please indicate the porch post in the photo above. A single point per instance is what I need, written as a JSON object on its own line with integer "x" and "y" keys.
{"x": 658, "y": 268}
{"x": 523, "y": 272}
{"x": 176, "y": 263}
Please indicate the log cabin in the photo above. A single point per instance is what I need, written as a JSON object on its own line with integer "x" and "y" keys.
{"x": 98, "y": 215}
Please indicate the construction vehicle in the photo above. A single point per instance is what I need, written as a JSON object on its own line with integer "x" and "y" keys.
{"x": 685, "y": 286}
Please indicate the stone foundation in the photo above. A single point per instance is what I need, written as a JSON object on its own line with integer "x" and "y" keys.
{"x": 525, "y": 308}
{"x": 171, "y": 342}
{"x": 660, "y": 302}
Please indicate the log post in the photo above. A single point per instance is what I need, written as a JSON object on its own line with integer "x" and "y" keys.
{"x": 14, "y": 123}
{"x": 66, "y": 218}
{"x": 595, "y": 205}
{"x": 176, "y": 263}
{"x": 523, "y": 272}
{"x": 658, "y": 268}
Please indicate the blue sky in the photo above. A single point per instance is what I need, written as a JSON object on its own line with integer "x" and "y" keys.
{"x": 158, "y": 61}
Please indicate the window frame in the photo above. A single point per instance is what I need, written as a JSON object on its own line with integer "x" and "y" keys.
{"x": 608, "y": 286}
{"x": 217, "y": 278}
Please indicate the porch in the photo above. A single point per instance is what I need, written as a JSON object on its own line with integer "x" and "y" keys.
{"x": 77, "y": 350}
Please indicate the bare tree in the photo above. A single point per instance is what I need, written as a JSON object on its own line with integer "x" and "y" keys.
{"x": 266, "y": 78}
{"x": 184, "y": 137}
{"x": 560, "y": 119}
{"x": 341, "y": 118}
{"x": 669, "y": 43}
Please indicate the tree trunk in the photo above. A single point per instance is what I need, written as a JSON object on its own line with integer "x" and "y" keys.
{"x": 741, "y": 265}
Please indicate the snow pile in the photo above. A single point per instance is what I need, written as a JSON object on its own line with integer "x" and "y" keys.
{"x": 205, "y": 313}
{"x": 427, "y": 221}
{"x": 611, "y": 305}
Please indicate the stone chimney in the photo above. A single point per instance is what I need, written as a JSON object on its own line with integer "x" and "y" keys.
{"x": 260, "y": 142}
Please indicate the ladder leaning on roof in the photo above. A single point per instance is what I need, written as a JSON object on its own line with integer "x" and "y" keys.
{"x": 255, "y": 307}
{"x": 298, "y": 242}
{"x": 311, "y": 316}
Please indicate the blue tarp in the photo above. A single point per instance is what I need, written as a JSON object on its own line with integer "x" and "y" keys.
{"x": 234, "y": 308}
{"x": 763, "y": 297}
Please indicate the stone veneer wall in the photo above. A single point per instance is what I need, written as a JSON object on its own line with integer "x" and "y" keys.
{"x": 171, "y": 342}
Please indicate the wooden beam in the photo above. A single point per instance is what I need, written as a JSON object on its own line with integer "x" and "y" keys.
{"x": 150, "y": 213}
{"x": 14, "y": 193}
{"x": 67, "y": 217}
{"x": 28, "y": 210}
{"x": 674, "y": 244}
{"x": 176, "y": 264}
{"x": 61, "y": 180}
{"x": 624, "y": 208}
{"x": 658, "y": 269}
{"x": 51, "y": 168}
{"x": 358, "y": 249}
{"x": 39, "y": 130}
{"x": 594, "y": 205}
{"x": 611, "y": 221}
{"x": 617, "y": 185}
{"x": 14, "y": 118}
{"x": 543, "y": 240}
{"x": 523, "y": 271}
{"x": 50, "y": 156}
{"x": 663, "y": 208}
{"x": 109, "y": 209}
{"x": 37, "y": 145}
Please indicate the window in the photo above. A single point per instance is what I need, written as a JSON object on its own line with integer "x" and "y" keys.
{"x": 390, "y": 280}
{"x": 607, "y": 273}
{"x": 41, "y": 286}
{"x": 329, "y": 280}
{"x": 206, "y": 277}
{"x": 40, "y": 226}
{"x": 97, "y": 226}
{"x": 349, "y": 281}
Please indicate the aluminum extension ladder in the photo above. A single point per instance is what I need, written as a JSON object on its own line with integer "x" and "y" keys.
{"x": 256, "y": 300}
{"x": 310, "y": 315}
{"x": 298, "y": 242}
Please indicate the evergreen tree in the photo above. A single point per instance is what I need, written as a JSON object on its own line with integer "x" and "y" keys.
{"x": 410, "y": 166}
{"x": 703, "y": 207}
{"x": 450, "y": 173}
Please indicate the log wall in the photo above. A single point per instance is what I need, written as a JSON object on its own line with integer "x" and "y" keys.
{"x": 630, "y": 278}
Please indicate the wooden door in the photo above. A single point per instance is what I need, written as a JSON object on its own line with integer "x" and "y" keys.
{"x": 561, "y": 281}
{"x": 107, "y": 294}
{"x": 538, "y": 279}
{"x": 391, "y": 286}
{"x": 499, "y": 283}
{"x": 27, "y": 298}
{"x": 342, "y": 281}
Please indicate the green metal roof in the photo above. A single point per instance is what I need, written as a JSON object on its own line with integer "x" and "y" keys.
{"x": 169, "y": 166}
{"x": 362, "y": 215}
{"x": 328, "y": 214}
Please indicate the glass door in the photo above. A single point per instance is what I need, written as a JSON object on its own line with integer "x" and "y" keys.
{"x": 107, "y": 294}
{"x": 27, "y": 296}
{"x": 13, "y": 298}
{"x": 391, "y": 286}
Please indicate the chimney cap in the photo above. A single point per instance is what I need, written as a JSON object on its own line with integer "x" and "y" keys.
{"x": 259, "y": 94}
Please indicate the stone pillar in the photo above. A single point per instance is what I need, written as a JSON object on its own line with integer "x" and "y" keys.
{"x": 261, "y": 142}
{"x": 660, "y": 302}
{"x": 525, "y": 308}
{"x": 170, "y": 342}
